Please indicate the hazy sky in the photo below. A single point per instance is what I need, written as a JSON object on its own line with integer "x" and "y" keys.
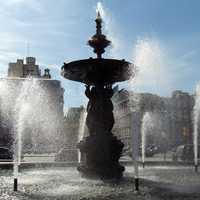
{"x": 161, "y": 37}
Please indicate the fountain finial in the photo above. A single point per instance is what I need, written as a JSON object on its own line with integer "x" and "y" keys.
{"x": 99, "y": 41}
{"x": 98, "y": 23}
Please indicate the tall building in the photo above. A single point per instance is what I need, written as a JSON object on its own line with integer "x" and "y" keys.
{"x": 181, "y": 114}
{"x": 25, "y": 69}
{"x": 22, "y": 70}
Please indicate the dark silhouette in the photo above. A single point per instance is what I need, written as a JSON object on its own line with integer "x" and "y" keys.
{"x": 101, "y": 148}
{"x": 100, "y": 109}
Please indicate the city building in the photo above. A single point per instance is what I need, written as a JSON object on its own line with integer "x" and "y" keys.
{"x": 75, "y": 130}
{"x": 46, "y": 98}
{"x": 181, "y": 115}
{"x": 25, "y": 69}
{"x": 172, "y": 117}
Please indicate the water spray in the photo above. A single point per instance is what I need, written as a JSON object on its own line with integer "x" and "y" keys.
{"x": 33, "y": 109}
{"x": 81, "y": 131}
{"x": 16, "y": 171}
{"x": 144, "y": 127}
{"x": 135, "y": 154}
{"x": 196, "y": 113}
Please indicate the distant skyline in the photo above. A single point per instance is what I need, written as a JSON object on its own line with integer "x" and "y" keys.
{"x": 161, "y": 37}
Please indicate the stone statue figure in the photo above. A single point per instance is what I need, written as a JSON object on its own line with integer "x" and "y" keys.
{"x": 100, "y": 109}
{"x": 101, "y": 147}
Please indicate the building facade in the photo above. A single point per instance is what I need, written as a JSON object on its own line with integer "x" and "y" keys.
{"x": 75, "y": 130}
{"x": 171, "y": 117}
{"x": 181, "y": 117}
{"x": 29, "y": 68}
{"x": 43, "y": 119}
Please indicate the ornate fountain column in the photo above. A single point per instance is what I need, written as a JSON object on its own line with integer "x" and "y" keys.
{"x": 101, "y": 148}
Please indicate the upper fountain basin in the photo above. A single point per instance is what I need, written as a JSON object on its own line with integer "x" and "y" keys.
{"x": 95, "y": 71}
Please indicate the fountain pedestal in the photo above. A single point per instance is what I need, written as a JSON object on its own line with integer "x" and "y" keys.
{"x": 102, "y": 155}
{"x": 102, "y": 148}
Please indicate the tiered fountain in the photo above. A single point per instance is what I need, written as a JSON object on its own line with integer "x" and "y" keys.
{"x": 101, "y": 148}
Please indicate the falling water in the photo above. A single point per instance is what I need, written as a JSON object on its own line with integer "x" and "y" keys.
{"x": 7, "y": 99}
{"x": 153, "y": 73}
{"x": 147, "y": 124}
{"x": 110, "y": 30}
{"x": 81, "y": 130}
{"x": 30, "y": 110}
{"x": 196, "y": 113}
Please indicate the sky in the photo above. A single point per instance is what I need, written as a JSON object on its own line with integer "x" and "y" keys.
{"x": 162, "y": 38}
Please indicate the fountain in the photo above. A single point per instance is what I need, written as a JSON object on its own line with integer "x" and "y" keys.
{"x": 143, "y": 139}
{"x": 101, "y": 148}
{"x": 28, "y": 109}
{"x": 196, "y": 113}
{"x": 81, "y": 130}
{"x": 146, "y": 125}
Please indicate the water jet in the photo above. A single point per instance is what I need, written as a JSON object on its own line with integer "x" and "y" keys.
{"x": 196, "y": 113}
